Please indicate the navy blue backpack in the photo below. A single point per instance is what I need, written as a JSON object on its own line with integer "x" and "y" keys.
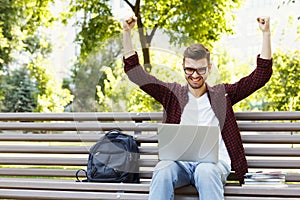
{"x": 114, "y": 158}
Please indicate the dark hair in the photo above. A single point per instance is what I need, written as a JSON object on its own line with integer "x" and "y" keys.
{"x": 196, "y": 52}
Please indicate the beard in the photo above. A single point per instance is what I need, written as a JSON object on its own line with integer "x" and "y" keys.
{"x": 195, "y": 85}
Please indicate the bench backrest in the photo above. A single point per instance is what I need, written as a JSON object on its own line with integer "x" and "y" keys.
{"x": 57, "y": 144}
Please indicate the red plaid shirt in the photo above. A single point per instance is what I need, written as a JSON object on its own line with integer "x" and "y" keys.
{"x": 174, "y": 98}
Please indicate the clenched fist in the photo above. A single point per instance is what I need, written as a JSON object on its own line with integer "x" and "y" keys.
{"x": 129, "y": 23}
{"x": 264, "y": 23}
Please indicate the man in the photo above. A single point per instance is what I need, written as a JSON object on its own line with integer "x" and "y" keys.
{"x": 198, "y": 103}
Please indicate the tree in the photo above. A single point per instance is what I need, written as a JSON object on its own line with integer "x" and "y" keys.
{"x": 52, "y": 97}
{"x": 282, "y": 91}
{"x": 24, "y": 42}
{"x": 95, "y": 23}
{"x": 229, "y": 70}
{"x": 90, "y": 74}
{"x": 184, "y": 21}
{"x": 118, "y": 93}
{"x": 20, "y": 92}
{"x": 19, "y": 24}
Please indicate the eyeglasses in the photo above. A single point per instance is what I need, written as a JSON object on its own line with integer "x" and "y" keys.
{"x": 190, "y": 70}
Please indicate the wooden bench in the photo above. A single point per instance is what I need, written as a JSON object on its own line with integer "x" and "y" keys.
{"x": 40, "y": 153}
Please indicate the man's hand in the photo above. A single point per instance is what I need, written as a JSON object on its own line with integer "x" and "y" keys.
{"x": 129, "y": 23}
{"x": 264, "y": 23}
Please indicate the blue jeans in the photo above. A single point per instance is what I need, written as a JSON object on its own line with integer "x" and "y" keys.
{"x": 208, "y": 178}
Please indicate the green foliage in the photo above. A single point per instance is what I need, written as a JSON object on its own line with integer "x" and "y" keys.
{"x": 142, "y": 102}
{"x": 282, "y": 91}
{"x": 166, "y": 67}
{"x": 95, "y": 23}
{"x": 190, "y": 21}
{"x": 99, "y": 45}
{"x": 184, "y": 21}
{"x": 24, "y": 44}
{"x": 119, "y": 94}
{"x": 19, "y": 92}
{"x": 19, "y": 21}
{"x": 116, "y": 89}
{"x": 231, "y": 70}
{"x": 90, "y": 74}
{"x": 52, "y": 97}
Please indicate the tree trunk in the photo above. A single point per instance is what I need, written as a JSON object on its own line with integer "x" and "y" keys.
{"x": 145, "y": 39}
{"x": 145, "y": 45}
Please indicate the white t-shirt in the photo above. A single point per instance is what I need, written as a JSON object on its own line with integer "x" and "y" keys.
{"x": 198, "y": 111}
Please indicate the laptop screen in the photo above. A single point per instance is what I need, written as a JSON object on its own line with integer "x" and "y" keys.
{"x": 188, "y": 143}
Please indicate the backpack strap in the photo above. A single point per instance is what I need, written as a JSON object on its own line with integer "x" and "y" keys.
{"x": 116, "y": 133}
{"x": 77, "y": 175}
{"x": 113, "y": 132}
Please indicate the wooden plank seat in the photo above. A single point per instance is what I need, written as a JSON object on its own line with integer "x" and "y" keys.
{"x": 40, "y": 153}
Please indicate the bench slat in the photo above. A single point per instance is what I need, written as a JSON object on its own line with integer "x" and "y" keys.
{"x": 290, "y": 191}
{"x": 44, "y": 149}
{"x": 271, "y": 139}
{"x": 76, "y": 126}
{"x": 278, "y": 115}
{"x": 277, "y": 164}
{"x": 37, "y": 172}
{"x": 141, "y": 116}
{"x": 61, "y": 137}
{"x": 63, "y": 161}
{"x": 259, "y": 151}
{"x": 147, "y": 138}
{"x": 290, "y": 177}
{"x": 82, "y": 116}
{"x": 97, "y": 126}
{"x": 144, "y": 150}
{"x": 68, "y": 137}
{"x": 70, "y": 185}
{"x": 258, "y": 198}
{"x": 43, "y": 161}
{"x": 67, "y": 195}
{"x": 28, "y": 194}
{"x": 54, "y": 172}
{"x": 62, "y": 149}
{"x": 272, "y": 127}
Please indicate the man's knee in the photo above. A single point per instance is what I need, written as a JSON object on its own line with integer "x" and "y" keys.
{"x": 165, "y": 170}
{"x": 206, "y": 171}
{"x": 170, "y": 173}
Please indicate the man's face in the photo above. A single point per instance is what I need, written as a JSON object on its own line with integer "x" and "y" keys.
{"x": 196, "y": 72}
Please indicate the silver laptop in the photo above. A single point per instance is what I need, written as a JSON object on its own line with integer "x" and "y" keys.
{"x": 188, "y": 143}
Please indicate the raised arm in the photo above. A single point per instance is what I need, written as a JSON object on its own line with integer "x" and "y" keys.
{"x": 135, "y": 72}
{"x": 264, "y": 25}
{"x": 263, "y": 72}
{"x": 128, "y": 25}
